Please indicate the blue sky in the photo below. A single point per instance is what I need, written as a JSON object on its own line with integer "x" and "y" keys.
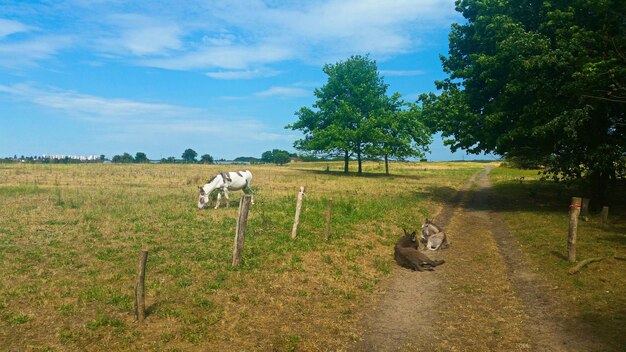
{"x": 84, "y": 77}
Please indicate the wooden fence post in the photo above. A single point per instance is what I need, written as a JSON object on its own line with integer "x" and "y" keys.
{"x": 329, "y": 214}
{"x": 242, "y": 221}
{"x": 584, "y": 211}
{"x": 574, "y": 211}
{"x": 296, "y": 221}
{"x": 604, "y": 215}
{"x": 140, "y": 298}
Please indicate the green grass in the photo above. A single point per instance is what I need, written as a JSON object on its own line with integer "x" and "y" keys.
{"x": 69, "y": 248}
{"x": 537, "y": 214}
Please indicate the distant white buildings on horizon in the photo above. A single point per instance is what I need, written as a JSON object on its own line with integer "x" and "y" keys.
{"x": 72, "y": 157}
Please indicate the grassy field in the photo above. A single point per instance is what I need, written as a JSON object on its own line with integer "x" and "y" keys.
{"x": 70, "y": 236}
{"x": 537, "y": 213}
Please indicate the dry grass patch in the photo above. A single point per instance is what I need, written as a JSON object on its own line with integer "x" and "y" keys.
{"x": 537, "y": 214}
{"x": 70, "y": 237}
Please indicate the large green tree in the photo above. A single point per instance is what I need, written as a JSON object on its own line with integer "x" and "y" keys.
{"x": 397, "y": 132}
{"x": 538, "y": 79}
{"x": 189, "y": 155}
{"x": 124, "y": 158}
{"x": 276, "y": 156}
{"x": 141, "y": 157}
{"x": 353, "y": 93}
{"x": 206, "y": 159}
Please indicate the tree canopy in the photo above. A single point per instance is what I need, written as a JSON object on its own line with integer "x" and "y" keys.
{"x": 276, "y": 156}
{"x": 352, "y": 114}
{"x": 541, "y": 80}
{"x": 124, "y": 158}
{"x": 397, "y": 132}
{"x": 206, "y": 159}
{"x": 141, "y": 157}
{"x": 189, "y": 155}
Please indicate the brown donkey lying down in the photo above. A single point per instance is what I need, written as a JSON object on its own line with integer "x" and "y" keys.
{"x": 408, "y": 256}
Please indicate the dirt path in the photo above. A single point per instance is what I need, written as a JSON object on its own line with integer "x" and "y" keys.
{"x": 491, "y": 301}
{"x": 403, "y": 318}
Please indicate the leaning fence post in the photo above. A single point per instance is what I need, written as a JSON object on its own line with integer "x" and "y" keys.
{"x": 242, "y": 221}
{"x": 584, "y": 211}
{"x": 296, "y": 221}
{"x": 329, "y": 214}
{"x": 140, "y": 298}
{"x": 604, "y": 215}
{"x": 574, "y": 211}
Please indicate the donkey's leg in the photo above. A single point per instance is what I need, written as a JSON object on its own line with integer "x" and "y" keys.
{"x": 227, "y": 198}
{"x": 247, "y": 190}
{"x": 219, "y": 198}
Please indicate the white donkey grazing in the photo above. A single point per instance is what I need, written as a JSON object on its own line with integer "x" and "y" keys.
{"x": 224, "y": 182}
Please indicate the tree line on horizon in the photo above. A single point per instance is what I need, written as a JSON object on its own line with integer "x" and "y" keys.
{"x": 274, "y": 156}
{"x": 189, "y": 156}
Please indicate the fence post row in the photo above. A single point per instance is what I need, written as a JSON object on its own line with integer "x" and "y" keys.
{"x": 584, "y": 211}
{"x": 140, "y": 298}
{"x": 242, "y": 221}
{"x": 296, "y": 221}
{"x": 574, "y": 212}
{"x": 604, "y": 215}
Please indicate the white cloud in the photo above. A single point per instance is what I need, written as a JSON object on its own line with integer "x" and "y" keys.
{"x": 243, "y": 74}
{"x": 226, "y": 57}
{"x": 94, "y": 108}
{"x": 139, "y": 119}
{"x": 29, "y": 52}
{"x": 234, "y": 39}
{"x": 338, "y": 28}
{"x": 283, "y": 92}
{"x": 276, "y": 137}
{"x": 140, "y": 35}
{"x": 8, "y": 27}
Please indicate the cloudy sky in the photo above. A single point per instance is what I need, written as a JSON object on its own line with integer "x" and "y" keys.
{"x": 220, "y": 77}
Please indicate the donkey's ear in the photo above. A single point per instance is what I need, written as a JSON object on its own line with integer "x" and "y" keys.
{"x": 414, "y": 233}
{"x": 405, "y": 232}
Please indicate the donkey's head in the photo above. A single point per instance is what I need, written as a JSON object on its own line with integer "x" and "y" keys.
{"x": 412, "y": 235}
{"x": 203, "y": 198}
{"x": 429, "y": 227}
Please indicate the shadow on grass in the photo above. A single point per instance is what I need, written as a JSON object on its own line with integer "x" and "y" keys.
{"x": 615, "y": 339}
{"x": 375, "y": 175}
{"x": 534, "y": 197}
{"x": 559, "y": 255}
{"x": 617, "y": 239}
{"x": 153, "y": 308}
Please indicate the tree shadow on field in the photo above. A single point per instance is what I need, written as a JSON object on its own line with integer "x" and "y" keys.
{"x": 559, "y": 255}
{"x": 505, "y": 197}
{"x": 614, "y": 338}
{"x": 614, "y": 239}
{"x": 374, "y": 175}
{"x": 152, "y": 308}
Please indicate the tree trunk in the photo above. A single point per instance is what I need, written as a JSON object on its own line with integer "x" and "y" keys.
{"x": 346, "y": 159}
{"x": 386, "y": 164}
{"x": 358, "y": 157}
